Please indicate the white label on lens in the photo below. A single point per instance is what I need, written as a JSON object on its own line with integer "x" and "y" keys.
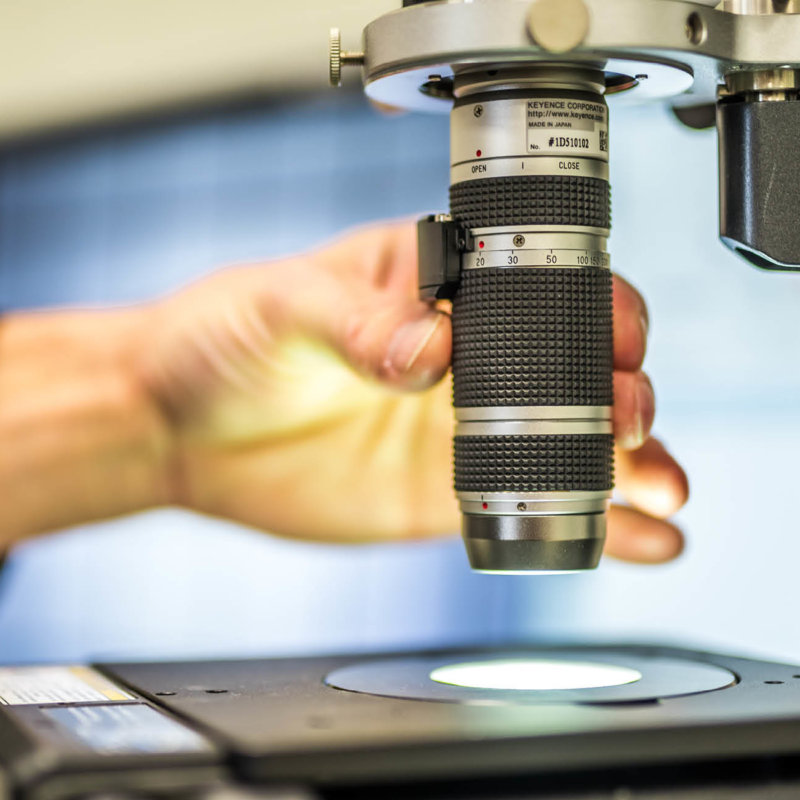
{"x": 568, "y": 127}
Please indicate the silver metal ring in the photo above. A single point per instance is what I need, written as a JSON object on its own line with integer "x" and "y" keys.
{"x": 533, "y": 508}
{"x": 604, "y": 233}
{"x": 404, "y": 48}
{"x": 514, "y": 166}
{"x": 565, "y": 427}
{"x": 534, "y": 259}
{"x": 501, "y": 239}
{"x": 506, "y": 413}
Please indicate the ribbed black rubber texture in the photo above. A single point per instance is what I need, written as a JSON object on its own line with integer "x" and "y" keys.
{"x": 568, "y": 463}
{"x": 532, "y": 200}
{"x": 533, "y": 337}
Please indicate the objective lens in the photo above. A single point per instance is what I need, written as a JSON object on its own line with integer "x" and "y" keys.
{"x": 532, "y": 335}
{"x": 534, "y": 675}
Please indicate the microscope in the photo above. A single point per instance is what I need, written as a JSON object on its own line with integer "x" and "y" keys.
{"x": 522, "y": 257}
{"x": 522, "y": 254}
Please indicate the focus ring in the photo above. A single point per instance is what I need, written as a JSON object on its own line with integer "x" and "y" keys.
{"x": 532, "y": 200}
{"x": 533, "y": 337}
{"x": 534, "y": 463}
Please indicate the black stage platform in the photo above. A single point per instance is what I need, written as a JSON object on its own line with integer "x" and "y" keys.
{"x": 692, "y": 725}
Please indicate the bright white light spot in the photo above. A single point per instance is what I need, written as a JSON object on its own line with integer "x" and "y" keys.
{"x": 529, "y": 571}
{"x": 523, "y": 674}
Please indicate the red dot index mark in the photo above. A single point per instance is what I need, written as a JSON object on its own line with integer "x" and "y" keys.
{"x": 478, "y": 153}
{"x": 485, "y": 506}
{"x": 480, "y": 244}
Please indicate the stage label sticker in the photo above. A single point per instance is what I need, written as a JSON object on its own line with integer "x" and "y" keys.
{"x": 49, "y": 685}
{"x": 130, "y": 728}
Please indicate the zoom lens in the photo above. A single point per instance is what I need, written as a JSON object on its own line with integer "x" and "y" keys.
{"x": 532, "y": 318}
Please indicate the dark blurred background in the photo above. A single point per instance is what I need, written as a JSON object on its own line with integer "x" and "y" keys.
{"x": 145, "y": 146}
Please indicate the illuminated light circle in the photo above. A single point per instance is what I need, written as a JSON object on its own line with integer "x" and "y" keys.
{"x": 534, "y": 674}
{"x": 536, "y": 572}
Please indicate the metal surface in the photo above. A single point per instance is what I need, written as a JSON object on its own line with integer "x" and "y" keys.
{"x": 533, "y": 412}
{"x": 338, "y": 59}
{"x": 481, "y": 508}
{"x": 335, "y": 57}
{"x": 558, "y": 25}
{"x": 543, "y": 229}
{"x": 538, "y": 259}
{"x": 761, "y": 6}
{"x": 281, "y": 722}
{"x": 536, "y": 540}
{"x": 759, "y": 179}
{"x": 649, "y": 37}
{"x": 762, "y": 82}
{"x": 281, "y": 732}
{"x": 516, "y": 427}
{"x": 409, "y": 678}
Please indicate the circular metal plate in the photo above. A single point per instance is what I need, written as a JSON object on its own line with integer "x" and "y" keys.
{"x": 409, "y": 678}
{"x": 402, "y": 88}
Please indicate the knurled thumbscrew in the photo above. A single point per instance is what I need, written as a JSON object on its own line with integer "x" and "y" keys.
{"x": 339, "y": 59}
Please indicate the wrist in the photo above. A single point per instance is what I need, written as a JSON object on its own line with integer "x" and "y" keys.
{"x": 82, "y": 440}
{"x": 150, "y": 437}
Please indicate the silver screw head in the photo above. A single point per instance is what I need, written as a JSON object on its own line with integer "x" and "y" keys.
{"x": 522, "y": 506}
{"x": 519, "y": 240}
{"x": 477, "y": 111}
{"x": 335, "y": 56}
{"x": 558, "y": 25}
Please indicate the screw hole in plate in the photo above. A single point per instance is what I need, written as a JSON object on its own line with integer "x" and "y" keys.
{"x": 696, "y": 30}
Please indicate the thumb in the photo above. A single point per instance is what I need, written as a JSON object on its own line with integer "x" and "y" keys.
{"x": 404, "y": 344}
{"x": 382, "y": 333}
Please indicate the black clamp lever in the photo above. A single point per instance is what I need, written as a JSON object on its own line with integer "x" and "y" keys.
{"x": 441, "y": 243}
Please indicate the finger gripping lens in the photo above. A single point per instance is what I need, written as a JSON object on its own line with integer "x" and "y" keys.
{"x": 532, "y": 319}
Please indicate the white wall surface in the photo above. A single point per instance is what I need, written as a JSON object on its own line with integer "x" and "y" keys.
{"x": 70, "y": 61}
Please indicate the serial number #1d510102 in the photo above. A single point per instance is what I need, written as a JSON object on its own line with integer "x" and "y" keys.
{"x": 568, "y": 141}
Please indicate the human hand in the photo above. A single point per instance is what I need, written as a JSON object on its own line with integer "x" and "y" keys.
{"x": 305, "y": 397}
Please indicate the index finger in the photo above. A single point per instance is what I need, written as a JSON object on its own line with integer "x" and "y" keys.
{"x": 630, "y": 326}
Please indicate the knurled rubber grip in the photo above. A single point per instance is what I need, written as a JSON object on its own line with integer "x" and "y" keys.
{"x": 562, "y": 463}
{"x": 532, "y": 200}
{"x": 533, "y": 337}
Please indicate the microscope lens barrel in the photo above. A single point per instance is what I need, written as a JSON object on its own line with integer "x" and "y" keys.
{"x": 532, "y": 319}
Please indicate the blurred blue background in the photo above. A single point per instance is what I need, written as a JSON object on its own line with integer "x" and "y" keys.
{"x": 125, "y": 215}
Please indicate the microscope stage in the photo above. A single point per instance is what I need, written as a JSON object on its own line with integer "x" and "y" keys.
{"x": 382, "y": 721}
{"x": 383, "y": 718}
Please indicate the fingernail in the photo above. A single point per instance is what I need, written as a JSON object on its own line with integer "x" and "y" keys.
{"x": 635, "y": 437}
{"x": 645, "y": 323}
{"x": 645, "y": 399}
{"x": 409, "y": 342}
